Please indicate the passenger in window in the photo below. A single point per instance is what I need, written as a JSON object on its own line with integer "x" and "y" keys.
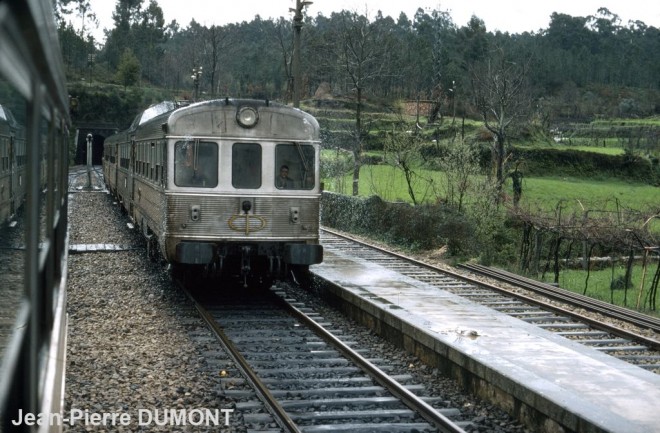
{"x": 205, "y": 167}
{"x": 184, "y": 170}
{"x": 190, "y": 170}
{"x": 283, "y": 180}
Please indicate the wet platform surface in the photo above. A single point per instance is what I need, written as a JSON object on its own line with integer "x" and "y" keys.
{"x": 545, "y": 371}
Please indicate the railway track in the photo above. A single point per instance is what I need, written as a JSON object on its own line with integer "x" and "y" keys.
{"x": 308, "y": 378}
{"x": 570, "y": 318}
{"x": 590, "y": 304}
{"x": 82, "y": 180}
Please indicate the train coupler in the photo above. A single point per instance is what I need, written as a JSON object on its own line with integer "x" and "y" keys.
{"x": 275, "y": 265}
{"x": 246, "y": 268}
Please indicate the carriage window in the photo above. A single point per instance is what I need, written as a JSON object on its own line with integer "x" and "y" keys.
{"x": 13, "y": 220}
{"x": 196, "y": 164}
{"x": 246, "y": 165}
{"x": 296, "y": 166}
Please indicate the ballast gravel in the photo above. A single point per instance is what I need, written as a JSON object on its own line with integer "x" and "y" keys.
{"x": 131, "y": 359}
{"x": 137, "y": 348}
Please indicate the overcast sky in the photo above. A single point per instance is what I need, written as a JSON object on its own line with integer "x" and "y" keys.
{"x": 513, "y": 16}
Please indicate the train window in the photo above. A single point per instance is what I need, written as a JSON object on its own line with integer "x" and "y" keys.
{"x": 124, "y": 152}
{"x": 44, "y": 184}
{"x": 296, "y": 166}
{"x": 246, "y": 166}
{"x": 12, "y": 216}
{"x": 196, "y": 164}
{"x": 4, "y": 149}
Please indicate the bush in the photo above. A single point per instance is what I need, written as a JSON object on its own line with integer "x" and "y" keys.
{"x": 556, "y": 162}
{"x": 422, "y": 227}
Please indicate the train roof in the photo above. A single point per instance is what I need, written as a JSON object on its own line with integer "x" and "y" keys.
{"x": 154, "y": 111}
{"x": 248, "y": 118}
{"x": 7, "y": 116}
{"x": 7, "y": 119}
{"x": 226, "y": 117}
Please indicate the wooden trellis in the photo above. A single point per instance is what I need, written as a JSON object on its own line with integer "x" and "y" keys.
{"x": 592, "y": 238}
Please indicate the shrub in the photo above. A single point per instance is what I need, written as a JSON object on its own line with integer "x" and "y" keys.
{"x": 412, "y": 227}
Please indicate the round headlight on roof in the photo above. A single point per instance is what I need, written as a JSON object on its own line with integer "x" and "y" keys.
{"x": 247, "y": 117}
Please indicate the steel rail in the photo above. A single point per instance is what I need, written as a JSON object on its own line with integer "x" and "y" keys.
{"x": 650, "y": 342}
{"x": 563, "y": 295}
{"x": 282, "y": 417}
{"x": 415, "y": 403}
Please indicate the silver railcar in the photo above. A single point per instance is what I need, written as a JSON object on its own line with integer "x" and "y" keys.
{"x": 229, "y": 185}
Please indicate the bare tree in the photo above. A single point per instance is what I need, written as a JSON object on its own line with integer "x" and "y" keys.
{"x": 283, "y": 37}
{"x": 460, "y": 165}
{"x": 362, "y": 52}
{"x": 403, "y": 152}
{"x": 442, "y": 26}
{"x": 501, "y": 96}
{"x": 217, "y": 43}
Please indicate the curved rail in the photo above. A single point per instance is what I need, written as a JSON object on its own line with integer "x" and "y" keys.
{"x": 609, "y": 310}
{"x": 650, "y": 342}
{"x": 286, "y": 422}
{"x": 435, "y": 418}
{"x": 283, "y": 419}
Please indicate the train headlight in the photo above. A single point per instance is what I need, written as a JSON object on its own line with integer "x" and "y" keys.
{"x": 247, "y": 117}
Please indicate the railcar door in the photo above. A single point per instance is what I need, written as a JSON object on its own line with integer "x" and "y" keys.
{"x": 12, "y": 173}
{"x": 131, "y": 177}
{"x": 117, "y": 156}
{"x": 114, "y": 165}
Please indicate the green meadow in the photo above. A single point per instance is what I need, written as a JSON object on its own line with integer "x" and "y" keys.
{"x": 540, "y": 194}
{"x": 599, "y": 285}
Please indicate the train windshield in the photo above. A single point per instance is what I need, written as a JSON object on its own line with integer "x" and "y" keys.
{"x": 246, "y": 166}
{"x": 296, "y": 166}
{"x": 196, "y": 164}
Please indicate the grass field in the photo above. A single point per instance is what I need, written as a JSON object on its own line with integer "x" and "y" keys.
{"x": 539, "y": 194}
{"x": 611, "y": 149}
{"x": 583, "y": 193}
{"x": 599, "y": 286}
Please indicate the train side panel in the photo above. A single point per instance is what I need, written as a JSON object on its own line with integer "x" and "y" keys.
{"x": 110, "y": 167}
{"x": 124, "y": 186}
{"x": 149, "y": 207}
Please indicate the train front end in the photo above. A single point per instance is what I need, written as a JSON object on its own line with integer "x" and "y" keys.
{"x": 243, "y": 191}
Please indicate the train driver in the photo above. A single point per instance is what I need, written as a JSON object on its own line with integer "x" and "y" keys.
{"x": 284, "y": 181}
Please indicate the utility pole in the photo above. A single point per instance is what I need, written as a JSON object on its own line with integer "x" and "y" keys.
{"x": 90, "y": 65}
{"x": 196, "y": 75}
{"x": 90, "y": 138}
{"x": 297, "y": 26}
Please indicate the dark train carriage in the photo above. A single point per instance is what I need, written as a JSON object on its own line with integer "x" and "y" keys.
{"x": 12, "y": 165}
{"x": 33, "y": 217}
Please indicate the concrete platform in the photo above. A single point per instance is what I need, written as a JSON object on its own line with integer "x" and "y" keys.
{"x": 546, "y": 381}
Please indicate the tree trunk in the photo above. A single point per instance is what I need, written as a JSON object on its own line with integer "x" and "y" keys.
{"x": 356, "y": 172}
{"x": 357, "y": 149}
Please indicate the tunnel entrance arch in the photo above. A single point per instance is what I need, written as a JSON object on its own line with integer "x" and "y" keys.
{"x": 99, "y": 133}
